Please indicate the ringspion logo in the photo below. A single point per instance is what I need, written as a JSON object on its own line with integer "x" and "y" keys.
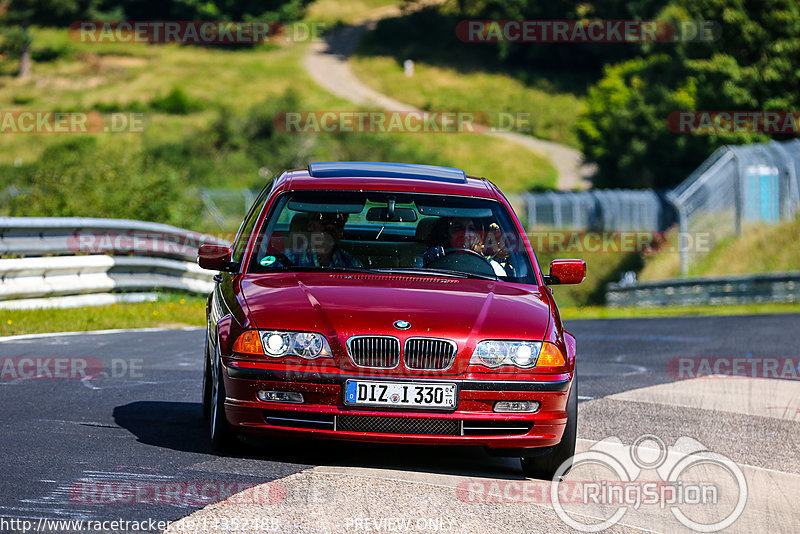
{"x": 703, "y": 490}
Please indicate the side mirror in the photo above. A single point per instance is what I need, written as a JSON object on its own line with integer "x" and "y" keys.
{"x": 566, "y": 272}
{"x": 214, "y": 257}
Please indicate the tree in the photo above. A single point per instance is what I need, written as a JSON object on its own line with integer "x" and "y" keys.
{"x": 753, "y": 65}
{"x": 19, "y": 15}
{"x": 232, "y": 10}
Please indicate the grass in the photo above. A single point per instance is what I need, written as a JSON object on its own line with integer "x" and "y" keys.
{"x": 85, "y": 75}
{"x": 760, "y": 249}
{"x": 450, "y": 74}
{"x": 170, "y": 311}
{"x": 174, "y": 311}
{"x": 334, "y": 11}
{"x": 602, "y": 312}
{"x": 540, "y": 113}
{"x": 601, "y": 268}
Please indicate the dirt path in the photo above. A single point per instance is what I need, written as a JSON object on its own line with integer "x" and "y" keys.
{"x": 326, "y": 62}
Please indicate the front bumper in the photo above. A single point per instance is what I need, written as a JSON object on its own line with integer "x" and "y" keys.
{"x": 324, "y": 415}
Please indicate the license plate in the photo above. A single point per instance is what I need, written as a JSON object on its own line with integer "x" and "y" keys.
{"x": 400, "y": 394}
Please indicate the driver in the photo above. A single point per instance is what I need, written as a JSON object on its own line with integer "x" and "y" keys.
{"x": 321, "y": 248}
{"x": 454, "y": 233}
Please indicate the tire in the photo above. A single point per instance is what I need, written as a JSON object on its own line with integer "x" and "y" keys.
{"x": 545, "y": 466}
{"x": 206, "y": 382}
{"x": 222, "y": 437}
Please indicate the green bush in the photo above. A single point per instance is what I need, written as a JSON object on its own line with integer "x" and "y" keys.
{"x": 116, "y": 107}
{"x": 238, "y": 149}
{"x": 176, "y": 102}
{"x": 78, "y": 178}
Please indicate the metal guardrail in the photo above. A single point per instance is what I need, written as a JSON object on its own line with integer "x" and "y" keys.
{"x": 38, "y": 236}
{"x": 747, "y": 289}
{"x": 70, "y": 257}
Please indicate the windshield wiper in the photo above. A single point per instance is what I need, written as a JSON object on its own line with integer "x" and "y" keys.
{"x": 440, "y": 272}
{"x": 321, "y": 269}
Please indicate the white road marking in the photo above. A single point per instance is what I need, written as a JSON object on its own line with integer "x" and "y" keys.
{"x": 761, "y": 397}
{"x": 24, "y": 337}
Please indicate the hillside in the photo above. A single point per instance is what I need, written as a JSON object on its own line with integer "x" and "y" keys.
{"x": 760, "y": 249}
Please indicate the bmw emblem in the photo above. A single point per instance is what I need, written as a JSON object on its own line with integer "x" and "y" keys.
{"x": 402, "y": 325}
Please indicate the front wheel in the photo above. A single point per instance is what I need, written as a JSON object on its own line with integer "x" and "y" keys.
{"x": 206, "y": 381}
{"x": 545, "y": 466}
{"x": 222, "y": 437}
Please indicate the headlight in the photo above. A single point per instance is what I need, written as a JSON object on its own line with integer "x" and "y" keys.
{"x": 308, "y": 345}
{"x": 276, "y": 343}
{"x": 522, "y": 354}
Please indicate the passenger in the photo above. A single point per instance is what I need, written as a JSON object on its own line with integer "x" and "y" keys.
{"x": 321, "y": 249}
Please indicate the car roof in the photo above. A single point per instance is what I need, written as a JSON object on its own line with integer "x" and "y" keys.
{"x": 374, "y": 176}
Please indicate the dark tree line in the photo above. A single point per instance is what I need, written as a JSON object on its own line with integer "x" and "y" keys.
{"x": 17, "y": 16}
{"x": 752, "y": 65}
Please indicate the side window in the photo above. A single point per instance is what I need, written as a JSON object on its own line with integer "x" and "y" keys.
{"x": 240, "y": 245}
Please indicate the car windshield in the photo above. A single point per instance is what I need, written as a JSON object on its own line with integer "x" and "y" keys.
{"x": 394, "y": 232}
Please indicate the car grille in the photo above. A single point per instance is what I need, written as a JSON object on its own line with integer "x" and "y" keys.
{"x": 376, "y": 352}
{"x": 399, "y": 425}
{"x": 496, "y": 428}
{"x": 429, "y": 354}
{"x": 425, "y": 426}
{"x": 300, "y": 420}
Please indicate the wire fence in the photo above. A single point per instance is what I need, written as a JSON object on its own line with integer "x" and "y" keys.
{"x": 226, "y": 207}
{"x": 7, "y": 195}
{"x": 609, "y": 209}
{"x": 737, "y": 186}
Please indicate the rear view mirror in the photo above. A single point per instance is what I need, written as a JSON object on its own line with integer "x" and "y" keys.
{"x": 400, "y": 215}
{"x": 566, "y": 272}
{"x": 214, "y": 257}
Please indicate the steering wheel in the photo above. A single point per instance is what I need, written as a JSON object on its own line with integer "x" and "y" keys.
{"x": 466, "y": 262}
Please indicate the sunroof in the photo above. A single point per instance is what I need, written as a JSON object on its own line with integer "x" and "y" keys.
{"x": 371, "y": 169}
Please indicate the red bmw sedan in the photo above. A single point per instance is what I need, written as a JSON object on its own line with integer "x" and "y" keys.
{"x": 387, "y": 302}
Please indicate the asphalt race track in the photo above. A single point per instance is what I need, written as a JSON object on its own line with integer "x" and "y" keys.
{"x": 73, "y": 449}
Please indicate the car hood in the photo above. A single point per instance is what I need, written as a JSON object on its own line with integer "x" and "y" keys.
{"x": 344, "y": 305}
